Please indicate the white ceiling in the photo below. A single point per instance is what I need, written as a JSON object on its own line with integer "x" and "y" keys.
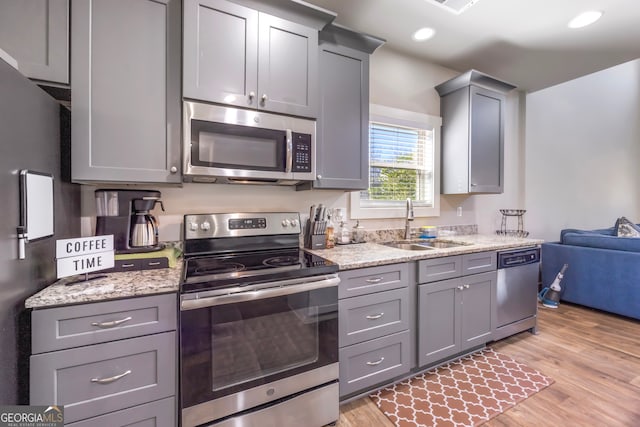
{"x": 525, "y": 42}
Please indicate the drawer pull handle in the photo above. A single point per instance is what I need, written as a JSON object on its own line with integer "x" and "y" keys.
{"x": 110, "y": 379}
{"x": 111, "y": 324}
{"x": 153, "y": 263}
{"x": 460, "y": 287}
{"x": 375, "y": 316}
{"x": 127, "y": 265}
{"x": 467, "y": 286}
{"x": 377, "y": 362}
{"x": 374, "y": 280}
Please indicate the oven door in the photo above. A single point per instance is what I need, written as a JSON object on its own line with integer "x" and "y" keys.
{"x": 245, "y": 349}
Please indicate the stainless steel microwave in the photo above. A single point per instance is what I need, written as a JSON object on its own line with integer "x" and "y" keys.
{"x": 231, "y": 145}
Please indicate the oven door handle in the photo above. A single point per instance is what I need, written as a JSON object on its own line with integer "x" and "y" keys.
{"x": 275, "y": 291}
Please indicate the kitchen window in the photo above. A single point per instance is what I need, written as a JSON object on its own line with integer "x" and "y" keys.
{"x": 404, "y": 161}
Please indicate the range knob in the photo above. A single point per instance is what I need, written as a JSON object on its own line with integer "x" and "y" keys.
{"x": 205, "y": 226}
{"x": 193, "y": 226}
{"x": 285, "y": 223}
{"x": 294, "y": 222}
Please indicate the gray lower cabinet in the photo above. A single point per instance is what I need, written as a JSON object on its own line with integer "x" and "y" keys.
{"x": 109, "y": 363}
{"x": 240, "y": 56}
{"x": 455, "y": 315}
{"x": 342, "y": 160}
{"x": 160, "y": 413}
{"x": 473, "y": 115}
{"x": 36, "y": 34}
{"x": 125, "y": 90}
{"x": 375, "y": 316}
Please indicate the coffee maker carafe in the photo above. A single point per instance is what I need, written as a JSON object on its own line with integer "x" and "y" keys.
{"x": 126, "y": 215}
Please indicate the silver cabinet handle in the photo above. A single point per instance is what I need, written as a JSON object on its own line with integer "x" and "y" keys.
{"x": 319, "y": 176}
{"x": 111, "y": 324}
{"x": 375, "y": 316}
{"x": 264, "y": 98}
{"x": 460, "y": 287}
{"x": 110, "y": 379}
{"x": 374, "y": 280}
{"x": 126, "y": 266}
{"x": 153, "y": 263}
{"x": 173, "y": 169}
{"x": 467, "y": 286}
{"x": 289, "y": 155}
{"x": 252, "y": 95}
{"x": 377, "y": 362}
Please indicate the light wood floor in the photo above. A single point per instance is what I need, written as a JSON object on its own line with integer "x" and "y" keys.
{"x": 593, "y": 357}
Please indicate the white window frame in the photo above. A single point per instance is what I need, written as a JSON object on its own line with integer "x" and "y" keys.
{"x": 395, "y": 116}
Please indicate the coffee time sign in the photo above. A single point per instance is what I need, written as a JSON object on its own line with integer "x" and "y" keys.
{"x": 84, "y": 255}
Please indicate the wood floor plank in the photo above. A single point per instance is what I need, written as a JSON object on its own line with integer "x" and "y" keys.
{"x": 594, "y": 358}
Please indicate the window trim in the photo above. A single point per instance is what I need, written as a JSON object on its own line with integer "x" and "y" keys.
{"x": 395, "y": 116}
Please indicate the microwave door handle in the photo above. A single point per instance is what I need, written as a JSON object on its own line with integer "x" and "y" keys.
{"x": 289, "y": 151}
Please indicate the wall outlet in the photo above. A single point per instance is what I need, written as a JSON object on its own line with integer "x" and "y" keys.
{"x": 459, "y": 211}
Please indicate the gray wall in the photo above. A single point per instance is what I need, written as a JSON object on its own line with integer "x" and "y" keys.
{"x": 30, "y": 138}
{"x": 582, "y": 151}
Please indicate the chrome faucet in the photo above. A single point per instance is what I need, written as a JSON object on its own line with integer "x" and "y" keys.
{"x": 408, "y": 219}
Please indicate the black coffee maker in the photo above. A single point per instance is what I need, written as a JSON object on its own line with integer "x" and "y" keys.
{"x": 125, "y": 214}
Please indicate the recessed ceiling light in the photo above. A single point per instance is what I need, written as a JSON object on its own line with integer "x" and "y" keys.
{"x": 585, "y": 18}
{"x": 424, "y": 34}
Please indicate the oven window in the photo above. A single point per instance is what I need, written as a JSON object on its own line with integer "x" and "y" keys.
{"x": 248, "y": 344}
{"x": 237, "y": 147}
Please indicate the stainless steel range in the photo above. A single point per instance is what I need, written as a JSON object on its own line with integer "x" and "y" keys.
{"x": 258, "y": 324}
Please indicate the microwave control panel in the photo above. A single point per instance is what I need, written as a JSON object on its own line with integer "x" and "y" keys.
{"x": 301, "y": 152}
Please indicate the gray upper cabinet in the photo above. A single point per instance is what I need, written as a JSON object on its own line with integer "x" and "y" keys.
{"x": 126, "y": 90}
{"x": 473, "y": 113}
{"x": 342, "y": 160}
{"x": 239, "y": 56}
{"x": 36, "y": 34}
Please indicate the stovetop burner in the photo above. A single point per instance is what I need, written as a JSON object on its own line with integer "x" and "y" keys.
{"x": 281, "y": 261}
{"x": 215, "y": 266}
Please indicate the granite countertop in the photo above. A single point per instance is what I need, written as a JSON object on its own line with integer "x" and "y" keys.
{"x": 112, "y": 286}
{"x": 371, "y": 254}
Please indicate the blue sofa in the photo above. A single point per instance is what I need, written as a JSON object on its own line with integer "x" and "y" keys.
{"x": 603, "y": 273}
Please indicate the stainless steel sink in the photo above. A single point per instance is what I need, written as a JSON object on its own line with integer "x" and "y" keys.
{"x": 421, "y": 245}
{"x": 408, "y": 246}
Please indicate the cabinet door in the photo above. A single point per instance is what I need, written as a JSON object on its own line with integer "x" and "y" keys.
{"x": 477, "y": 309}
{"x": 220, "y": 51}
{"x": 438, "y": 320}
{"x": 126, "y": 90}
{"x": 161, "y": 413}
{"x": 342, "y": 157}
{"x": 287, "y": 67}
{"x": 486, "y": 141}
{"x": 36, "y": 34}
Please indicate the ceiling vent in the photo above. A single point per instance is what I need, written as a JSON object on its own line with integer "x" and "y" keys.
{"x": 454, "y": 6}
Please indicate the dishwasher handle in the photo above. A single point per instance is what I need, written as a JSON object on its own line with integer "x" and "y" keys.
{"x": 517, "y": 258}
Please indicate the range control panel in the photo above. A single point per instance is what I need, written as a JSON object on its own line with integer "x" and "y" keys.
{"x": 208, "y": 226}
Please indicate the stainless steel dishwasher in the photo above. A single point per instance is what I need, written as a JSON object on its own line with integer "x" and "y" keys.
{"x": 517, "y": 291}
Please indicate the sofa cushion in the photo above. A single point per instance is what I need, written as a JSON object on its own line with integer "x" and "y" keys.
{"x": 595, "y": 240}
{"x": 626, "y": 228}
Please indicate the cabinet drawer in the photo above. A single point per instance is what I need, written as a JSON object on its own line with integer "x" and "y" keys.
{"x": 373, "y": 362}
{"x": 374, "y": 279}
{"x": 103, "y": 378}
{"x": 161, "y": 413}
{"x": 86, "y": 324}
{"x": 479, "y": 262}
{"x": 372, "y": 316}
{"x": 431, "y": 270}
